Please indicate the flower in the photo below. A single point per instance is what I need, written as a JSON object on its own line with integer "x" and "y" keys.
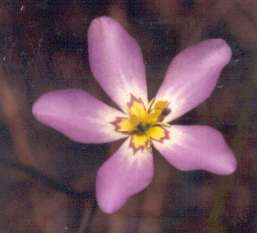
{"x": 117, "y": 64}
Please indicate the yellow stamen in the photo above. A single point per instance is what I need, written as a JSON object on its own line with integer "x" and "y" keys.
{"x": 139, "y": 142}
{"x": 157, "y": 133}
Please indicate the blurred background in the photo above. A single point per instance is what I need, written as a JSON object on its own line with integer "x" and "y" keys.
{"x": 47, "y": 182}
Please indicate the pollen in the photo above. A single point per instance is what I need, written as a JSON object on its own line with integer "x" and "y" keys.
{"x": 144, "y": 124}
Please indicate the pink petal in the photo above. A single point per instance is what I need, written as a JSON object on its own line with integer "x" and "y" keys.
{"x": 78, "y": 115}
{"x": 121, "y": 176}
{"x": 116, "y": 61}
{"x": 197, "y": 147}
{"x": 192, "y": 75}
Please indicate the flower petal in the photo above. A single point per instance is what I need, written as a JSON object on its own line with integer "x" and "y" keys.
{"x": 78, "y": 115}
{"x": 192, "y": 76}
{"x": 116, "y": 61}
{"x": 123, "y": 175}
{"x": 197, "y": 147}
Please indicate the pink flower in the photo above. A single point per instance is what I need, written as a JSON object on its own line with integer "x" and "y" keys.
{"x": 117, "y": 64}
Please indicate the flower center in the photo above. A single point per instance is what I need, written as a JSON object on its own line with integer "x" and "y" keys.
{"x": 144, "y": 124}
{"x": 142, "y": 128}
